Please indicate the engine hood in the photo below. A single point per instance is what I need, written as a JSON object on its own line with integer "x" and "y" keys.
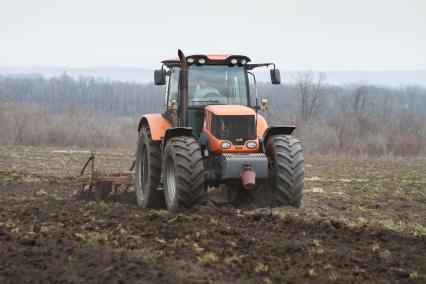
{"x": 230, "y": 110}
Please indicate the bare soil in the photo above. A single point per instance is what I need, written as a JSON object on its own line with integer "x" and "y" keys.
{"x": 363, "y": 220}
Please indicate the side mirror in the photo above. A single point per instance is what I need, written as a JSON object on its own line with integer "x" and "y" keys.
{"x": 159, "y": 77}
{"x": 275, "y": 76}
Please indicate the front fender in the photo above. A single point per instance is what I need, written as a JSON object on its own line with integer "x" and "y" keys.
{"x": 275, "y": 130}
{"x": 178, "y": 131}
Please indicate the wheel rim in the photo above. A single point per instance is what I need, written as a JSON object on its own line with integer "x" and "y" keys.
{"x": 144, "y": 172}
{"x": 170, "y": 174}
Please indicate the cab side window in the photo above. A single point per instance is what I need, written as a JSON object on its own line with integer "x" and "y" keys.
{"x": 174, "y": 84}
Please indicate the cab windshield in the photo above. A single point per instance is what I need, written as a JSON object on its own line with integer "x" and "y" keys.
{"x": 209, "y": 84}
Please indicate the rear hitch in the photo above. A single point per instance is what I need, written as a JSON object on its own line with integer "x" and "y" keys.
{"x": 248, "y": 177}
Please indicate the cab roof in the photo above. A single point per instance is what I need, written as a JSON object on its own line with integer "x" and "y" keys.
{"x": 211, "y": 59}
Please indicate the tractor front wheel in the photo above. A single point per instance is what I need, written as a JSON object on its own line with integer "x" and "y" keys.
{"x": 286, "y": 170}
{"x": 183, "y": 173}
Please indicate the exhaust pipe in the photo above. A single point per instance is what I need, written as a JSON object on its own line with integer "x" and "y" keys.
{"x": 183, "y": 85}
{"x": 248, "y": 177}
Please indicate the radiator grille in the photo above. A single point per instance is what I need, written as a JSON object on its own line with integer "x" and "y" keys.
{"x": 233, "y": 164}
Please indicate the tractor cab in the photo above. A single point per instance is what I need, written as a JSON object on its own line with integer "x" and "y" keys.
{"x": 218, "y": 81}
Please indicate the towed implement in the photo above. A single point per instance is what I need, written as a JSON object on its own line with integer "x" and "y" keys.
{"x": 95, "y": 185}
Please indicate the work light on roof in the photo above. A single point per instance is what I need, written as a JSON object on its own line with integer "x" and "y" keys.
{"x": 234, "y": 61}
{"x": 190, "y": 60}
{"x": 202, "y": 61}
{"x": 243, "y": 61}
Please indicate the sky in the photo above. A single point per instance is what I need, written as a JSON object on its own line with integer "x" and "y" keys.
{"x": 297, "y": 35}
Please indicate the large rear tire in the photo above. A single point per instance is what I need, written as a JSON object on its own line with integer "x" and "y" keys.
{"x": 286, "y": 170}
{"x": 148, "y": 171}
{"x": 183, "y": 173}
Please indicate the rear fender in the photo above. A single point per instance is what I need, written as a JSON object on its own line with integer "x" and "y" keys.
{"x": 157, "y": 125}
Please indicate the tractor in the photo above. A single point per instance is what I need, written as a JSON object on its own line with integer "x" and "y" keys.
{"x": 211, "y": 134}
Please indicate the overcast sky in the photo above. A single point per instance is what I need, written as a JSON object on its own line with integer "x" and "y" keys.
{"x": 298, "y": 35}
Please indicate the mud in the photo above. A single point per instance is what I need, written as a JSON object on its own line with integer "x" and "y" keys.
{"x": 49, "y": 235}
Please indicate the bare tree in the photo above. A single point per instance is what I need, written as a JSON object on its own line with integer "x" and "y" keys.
{"x": 21, "y": 115}
{"x": 310, "y": 94}
{"x": 359, "y": 97}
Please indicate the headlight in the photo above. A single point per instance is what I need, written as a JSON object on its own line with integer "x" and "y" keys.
{"x": 234, "y": 61}
{"x": 251, "y": 145}
{"x": 201, "y": 61}
{"x": 190, "y": 60}
{"x": 225, "y": 145}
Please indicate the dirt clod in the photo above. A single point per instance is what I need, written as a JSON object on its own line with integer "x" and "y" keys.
{"x": 27, "y": 242}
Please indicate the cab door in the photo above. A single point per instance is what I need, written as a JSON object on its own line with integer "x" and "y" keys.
{"x": 172, "y": 100}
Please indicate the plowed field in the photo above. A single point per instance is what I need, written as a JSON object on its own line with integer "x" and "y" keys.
{"x": 363, "y": 220}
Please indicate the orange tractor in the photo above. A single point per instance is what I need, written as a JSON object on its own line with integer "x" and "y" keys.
{"x": 211, "y": 134}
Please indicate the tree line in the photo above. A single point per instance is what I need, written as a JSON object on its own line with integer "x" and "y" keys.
{"x": 356, "y": 119}
{"x": 60, "y": 94}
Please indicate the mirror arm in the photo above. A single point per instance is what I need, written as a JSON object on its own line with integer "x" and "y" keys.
{"x": 256, "y": 65}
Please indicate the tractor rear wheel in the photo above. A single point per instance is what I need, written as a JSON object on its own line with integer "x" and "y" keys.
{"x": 148, "y": 171}
{"x": 183, "y": 173}
{"x": 286, "y": 170}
